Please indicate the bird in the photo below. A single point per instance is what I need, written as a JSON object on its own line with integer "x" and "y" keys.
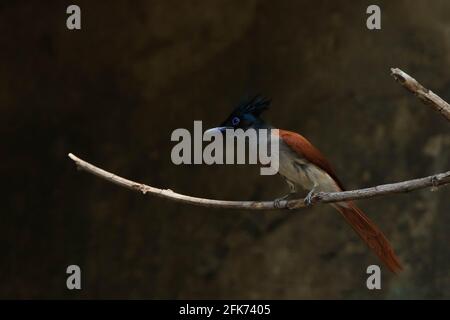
{"x": 303, "y": 166}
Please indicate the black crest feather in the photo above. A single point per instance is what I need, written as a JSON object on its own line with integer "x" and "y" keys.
{"x": 255, "y": 105}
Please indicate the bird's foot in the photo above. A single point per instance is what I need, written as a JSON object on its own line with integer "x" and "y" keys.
{"x": 309, "y": 198}
{"x": 277, "y": 202}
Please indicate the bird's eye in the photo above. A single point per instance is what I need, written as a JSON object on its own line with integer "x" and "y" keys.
{"x": 235, "y": 121}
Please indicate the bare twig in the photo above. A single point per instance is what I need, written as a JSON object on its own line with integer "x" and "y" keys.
{"x": 426, "y": 96}
{"x": 406, "y": 186}
{"x": 433, "y": 181}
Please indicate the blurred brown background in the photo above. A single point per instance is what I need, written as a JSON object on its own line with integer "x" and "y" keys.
{"x": 113, "y": 92}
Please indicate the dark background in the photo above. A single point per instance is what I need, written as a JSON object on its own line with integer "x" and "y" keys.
{"x": 113, "y": 92}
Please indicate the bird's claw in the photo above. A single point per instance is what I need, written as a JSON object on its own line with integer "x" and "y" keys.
{"x": 277, "y": 202}
{"x": 309, "y": 198}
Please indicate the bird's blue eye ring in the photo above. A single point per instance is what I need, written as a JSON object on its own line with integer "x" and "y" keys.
{"x": 235, "y": 121}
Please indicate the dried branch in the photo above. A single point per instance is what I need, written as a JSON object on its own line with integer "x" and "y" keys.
{"x": 426, "y": 96}
{"x": 433, "y": 181}
{"x": 406, "y": 186}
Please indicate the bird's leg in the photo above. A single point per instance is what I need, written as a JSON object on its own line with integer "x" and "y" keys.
{"x": 309, "y": 196}
{"x": 292, "y": 191}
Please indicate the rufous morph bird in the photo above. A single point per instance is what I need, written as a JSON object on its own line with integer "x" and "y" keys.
{"x": 303, "y": 166}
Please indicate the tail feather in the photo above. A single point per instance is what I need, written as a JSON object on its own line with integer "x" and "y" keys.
{"x": 371, "y": 235}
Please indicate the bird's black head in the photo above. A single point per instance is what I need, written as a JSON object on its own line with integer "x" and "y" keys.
{"x": 246, "y": 115}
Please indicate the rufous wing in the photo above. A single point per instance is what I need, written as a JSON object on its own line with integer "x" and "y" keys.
{"x": 304, "y": 148}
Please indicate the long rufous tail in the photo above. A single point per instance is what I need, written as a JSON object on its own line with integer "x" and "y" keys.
{"x": 371, "y": 234}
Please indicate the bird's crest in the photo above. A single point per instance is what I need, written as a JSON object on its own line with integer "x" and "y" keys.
{"x": 255, "y": 105}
